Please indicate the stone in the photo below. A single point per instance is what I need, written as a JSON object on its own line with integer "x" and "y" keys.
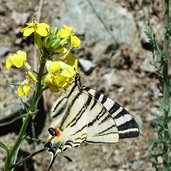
{"x": 102, "y": 24}
{"x": 139, "y": 120}
{"x": 4, "y": 51}
{"x": 86, "y": 65}
{"x": 2, "y": 9}
{"x": 20, "y": 18}
{"x": 113, "y": 79}
{"x": 148, "y": 62}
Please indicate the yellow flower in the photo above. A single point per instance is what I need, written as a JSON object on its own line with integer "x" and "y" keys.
{"x": 61, "y": 72}
{"x": 65, "y": 32}
{"x": 31, "y": 77}
{"x": 75, "y": 41}
{"x": 40, "y": 28}
{"x": 55, "y": 82}
{"x": 70, "y": 68}
{"x": 17, "y": 60}
{"x": 23, "y": 89}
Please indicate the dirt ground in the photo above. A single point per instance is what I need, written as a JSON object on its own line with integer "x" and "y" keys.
{"x": 135, "y": 88}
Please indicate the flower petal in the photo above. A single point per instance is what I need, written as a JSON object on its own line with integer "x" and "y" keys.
{"x": 22, "y": 54}
{"x": 28, "y": 31}
{"x": 75, "y": 41}
{"x": 69, "y": 29}
{"x": 8, "y": 63}
{"x": 20, "y": 91}
{"x": 60, "y": 81}
{"x": 26, "y": 89}
{"x": 42, "y": 29}
{"x": 17, "y": 61}
{"x": 55, "y": 67}
{"x": 63, "y": 33}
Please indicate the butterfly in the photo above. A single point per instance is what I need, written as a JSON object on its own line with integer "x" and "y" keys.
{"x": 82, "y": 114}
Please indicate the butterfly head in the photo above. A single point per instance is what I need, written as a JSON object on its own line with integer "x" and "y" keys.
{"x": 54, "y": 146}
{"x": 54, "y": 132}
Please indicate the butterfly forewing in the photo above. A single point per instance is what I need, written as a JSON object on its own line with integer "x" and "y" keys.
{"x": 72, "y": 121}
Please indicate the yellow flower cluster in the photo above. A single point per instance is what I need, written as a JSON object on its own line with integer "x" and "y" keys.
{"x": 18, "y": 60}
{"x": 40, "y": 28}
{"x": 67, "y": 32}
{"x": 59, "y": 72}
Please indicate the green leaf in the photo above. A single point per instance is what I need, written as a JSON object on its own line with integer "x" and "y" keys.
{"x": 12, "y": 120}
{"x": 28, "y": 157}
{"x": 16, "y": 118}
{"x": 3, "y": 146}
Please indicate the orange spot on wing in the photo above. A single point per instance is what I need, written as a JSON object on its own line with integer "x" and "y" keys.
{"x": 58, "y": 132}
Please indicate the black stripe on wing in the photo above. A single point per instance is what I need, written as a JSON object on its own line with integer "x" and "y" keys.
{"x": 127, "y": 127}
{"x": 81, "y": 111}
{"x": 63, "y": 102}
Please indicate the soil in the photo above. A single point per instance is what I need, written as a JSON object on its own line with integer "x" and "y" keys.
{"x": 136, "y": 89}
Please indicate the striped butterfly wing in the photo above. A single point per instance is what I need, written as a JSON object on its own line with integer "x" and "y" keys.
{"x": 126, "y": 125}
{"x": 101, "y": 126}
{"x": 70, "y": 117}
{"x": 82, "y": 114}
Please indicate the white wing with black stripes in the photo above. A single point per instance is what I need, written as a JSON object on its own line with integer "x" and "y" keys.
{"x": 83, "y": 115}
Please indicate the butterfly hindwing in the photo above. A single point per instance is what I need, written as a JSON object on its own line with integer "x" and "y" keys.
{"x": 127, "y": 126}
{"x": 101, "y": 126}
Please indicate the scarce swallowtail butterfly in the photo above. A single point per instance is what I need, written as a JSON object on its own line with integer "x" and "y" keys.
{"x": 83, "y": 115}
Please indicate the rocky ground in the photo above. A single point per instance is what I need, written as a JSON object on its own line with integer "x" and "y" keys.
{"x": 114, "y": 59}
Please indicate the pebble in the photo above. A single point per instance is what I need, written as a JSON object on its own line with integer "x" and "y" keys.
{"x": 86, "y": 65}
{"x": 155, "y": 111}
{"x": 113, "y": 79}
{"x": 4, "y": 51}
{"x": 2, "y": 10}
{"x": 139, "y": 120}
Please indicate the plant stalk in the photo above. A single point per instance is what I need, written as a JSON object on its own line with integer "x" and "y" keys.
{"x": 165, "y": 60}
{"x": 166, "y": 86}
{"x": 13, "y": 152}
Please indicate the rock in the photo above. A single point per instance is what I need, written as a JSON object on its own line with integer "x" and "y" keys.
{"x": 2, "y": 9}
{"x": 20, "y": 18}
{"x": 113, "y": 79}
{"x": 103, "y": 25}
{"x": 86, "y": 65}
{"x": 139, "y": 120}
{"x": 148, "y": 62}
{"x": 137, "y": 164}
{"x": 4, "y": 51}
{"x": 155, "y": 111}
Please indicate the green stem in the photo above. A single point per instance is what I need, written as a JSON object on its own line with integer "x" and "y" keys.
{"x": 166, "y": 85}
{"x": 14, "y": 149}
{"x": 166, "y": 82}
